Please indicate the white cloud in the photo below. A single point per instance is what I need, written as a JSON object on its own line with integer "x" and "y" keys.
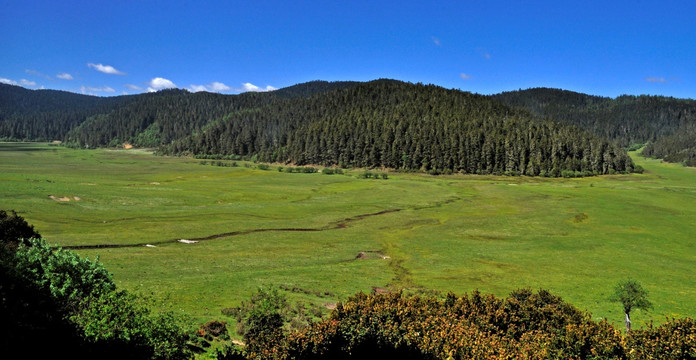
{"x": 133, "y": 87}
{"x": 22, "y": 82}
{"x": 159, "y": 83}
{"x": 465, "y": 76}
{"x": 8, "y": 81}
{"x": 64, "y": 76}
{"x": 436, "y": 41}
{"x": 197, "y": 88}
{"x": 218, "y": 87}
{"x": 212, "y": 87}
{"x": 656, "y": 79}
{"x": 106, "y": 69}
{"x": 92, "y": 90}
{"x": 253, "y": 88}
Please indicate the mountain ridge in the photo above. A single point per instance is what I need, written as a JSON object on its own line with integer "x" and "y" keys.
{"x": 167, "y": 118}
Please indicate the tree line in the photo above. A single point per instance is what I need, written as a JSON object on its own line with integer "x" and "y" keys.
{"x": 665, "y": 124}
{"x": 46, "y": 115}
{"x": 383, "y": 123}
{"x": 399, "y": 125}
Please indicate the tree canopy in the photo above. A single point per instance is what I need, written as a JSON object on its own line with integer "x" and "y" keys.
{"x": 631, "y": 295}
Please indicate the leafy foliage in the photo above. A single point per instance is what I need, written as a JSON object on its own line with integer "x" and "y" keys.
{"x": 675, "y": 339}
{"x": 631, "y": 295}
{"x": 120, "y": 320}
{"x": 70, "y": 305}
{"x": 525, "y": 325}
{"x": 260, "y": 320}
{"x": 15, "y": 230}
{"x": 70, "y": 278}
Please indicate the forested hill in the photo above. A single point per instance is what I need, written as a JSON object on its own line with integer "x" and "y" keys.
{"x": 44, "y": 115}
{"x": 666, "y": 124}
{"x": 156, "y": 119}
{"x": 387, "y": 123}
{"x": 382, "y": 123}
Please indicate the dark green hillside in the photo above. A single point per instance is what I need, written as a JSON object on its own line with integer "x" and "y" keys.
{"x": 387, "y": 123}
{"x": 627, "y": 120}
{"x": 146, "y": 120}
{"x": 383, "y": 123}
{"x": 159, "y": 118}
{"x": 312, "y": 88}
{"x": 155, "y": 118}
{"x": 47, "y": 114}
{"x": 678, "y": 147}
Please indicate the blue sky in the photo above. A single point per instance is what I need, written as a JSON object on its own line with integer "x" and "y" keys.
{"x": 111, "y": 48}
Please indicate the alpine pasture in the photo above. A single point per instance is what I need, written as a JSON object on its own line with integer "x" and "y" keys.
{"x": 322, "y": 238}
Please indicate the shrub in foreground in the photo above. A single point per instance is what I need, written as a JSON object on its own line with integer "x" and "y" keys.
{"x": 675, "y": 339}
{"x": 70, "y": 306}
{"x": 529, "y": 325}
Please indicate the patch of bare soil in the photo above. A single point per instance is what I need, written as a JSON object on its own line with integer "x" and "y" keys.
{"x": 580, "y": 218}
{"x": 371, "y": 255}
{"x": 62, "y": 199}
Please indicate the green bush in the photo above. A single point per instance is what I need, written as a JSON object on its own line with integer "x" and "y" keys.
{"x": 14, "y": 229}
{"x": 525, "y": 325}
{"x": 675, "y": 339}
{"x": 118, "y": 317}
{"x": 69, "y": 277}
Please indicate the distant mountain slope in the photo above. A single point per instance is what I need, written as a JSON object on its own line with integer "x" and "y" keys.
{"x": 627, "y": 119}
{"x": 382, "y": 123}
{"x": 388, "y": 123}
{"x": 678, "y": 147}
{"x": 47, "y": 114}
{"x": 159, "y": 118}
{"x": 145, "y": 119}
{"x": 312, "y": 88}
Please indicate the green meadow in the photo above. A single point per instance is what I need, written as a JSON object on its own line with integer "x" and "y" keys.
{"x": 325, "y": 237}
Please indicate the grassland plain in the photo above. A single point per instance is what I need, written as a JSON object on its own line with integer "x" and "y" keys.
{"x": 574, "y": 237}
